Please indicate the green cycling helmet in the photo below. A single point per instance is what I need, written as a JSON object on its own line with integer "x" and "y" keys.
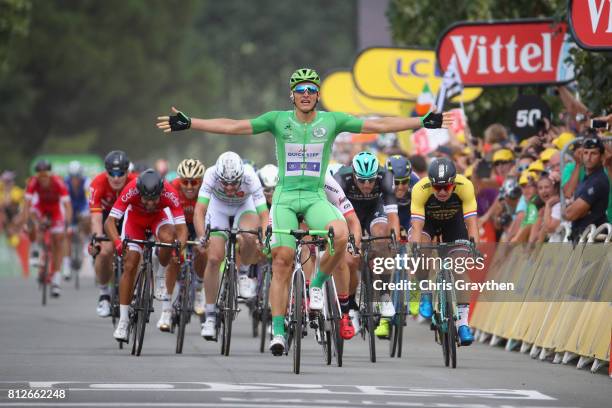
{"x": 304, "y": 75}
{"x": 365, "y": 165}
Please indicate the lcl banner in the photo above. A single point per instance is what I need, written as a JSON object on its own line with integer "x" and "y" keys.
{"x": 401, "y": 74}
{"x": 591, "y": 23}
{"x": 514, "y": 52}
{"x": 338, "y": 93}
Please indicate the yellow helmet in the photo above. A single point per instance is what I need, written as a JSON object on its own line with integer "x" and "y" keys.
{"x": 190, "y": 168}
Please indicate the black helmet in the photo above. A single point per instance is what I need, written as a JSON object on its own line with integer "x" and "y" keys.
{"x": 116, "y": 160}
{"x": 150, "y": 184}
{"x": 42, "y": 165}
{"x": 441, "y": 171}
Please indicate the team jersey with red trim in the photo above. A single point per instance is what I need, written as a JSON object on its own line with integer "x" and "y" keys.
{"x": 101, "y": 194}
{"x": 425, "y": 205}
{"x": 130, "y": 198}
{"x": 46, "y": 197}
{"x": 187, "y": 204}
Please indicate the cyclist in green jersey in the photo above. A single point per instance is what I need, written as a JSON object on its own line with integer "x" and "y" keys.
{"x": 304, "y": 137}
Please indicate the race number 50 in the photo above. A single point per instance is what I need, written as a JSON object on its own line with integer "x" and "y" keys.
{"x": 527, "y": 117}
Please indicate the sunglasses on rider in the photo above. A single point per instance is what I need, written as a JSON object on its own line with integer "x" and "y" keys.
{"x": 302, "y": 88}
{"x": 443, "y": 187}
{"x": 401, "y": 181}
{"x": 230, "y": 183}
{"x": 116, "y": 173}
{"x": 366, "y": 181}
{"x": 190, "y": 182}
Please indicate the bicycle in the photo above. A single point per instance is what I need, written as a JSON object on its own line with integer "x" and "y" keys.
{"x": 117, "y": 272}
{"x": 368, "y": 317}
{"x": 183, "y": 304}
{"x": 445, "y": 305}
{"x": 297, "y": 318}
{"x": 227, "y": 300}
{"x": 142, "y": 302}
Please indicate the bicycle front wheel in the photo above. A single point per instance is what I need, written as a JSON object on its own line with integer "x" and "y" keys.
{"x": 143, "y": 309}
{"x": 265, "y": 312}
{"x": 228, "y": 309}
{"x": 297, "y": 319}
{"x": 183, "y": 316}
{"x": 368, "y": 310}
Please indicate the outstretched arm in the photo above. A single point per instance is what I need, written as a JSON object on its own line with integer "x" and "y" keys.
{"x": 396, "y": 124}
{"x": 179, "y": 121}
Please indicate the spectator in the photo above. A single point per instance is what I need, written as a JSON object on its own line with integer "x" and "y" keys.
{"x": 526, "y": 206}
{"x": 546, "y": 191}
{"x": 503, "y": 161}
{"x": 591, "y": 196}
{"x": 419, "y": 165}
{"x": 494, "y": 134}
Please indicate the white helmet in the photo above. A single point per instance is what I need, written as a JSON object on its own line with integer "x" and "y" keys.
{"x": 75, "y": 169}
{"x": 229, "y": 167}
{"x": 333, "y": 168}
{"x": 268, "y": 175}
{"x": 190, "y": 168}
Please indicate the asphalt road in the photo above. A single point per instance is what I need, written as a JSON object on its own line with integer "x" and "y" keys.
{"x": 65, "y": 346}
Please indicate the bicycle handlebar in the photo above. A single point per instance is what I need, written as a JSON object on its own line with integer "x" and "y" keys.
{"x": 325, "y": 236}
{"x": 231, "y": 231}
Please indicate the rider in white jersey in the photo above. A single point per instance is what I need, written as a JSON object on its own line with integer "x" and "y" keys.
{"x": 229, "y": 189}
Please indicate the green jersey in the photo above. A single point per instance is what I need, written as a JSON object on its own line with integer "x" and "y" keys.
{"x": 303, "y": 149}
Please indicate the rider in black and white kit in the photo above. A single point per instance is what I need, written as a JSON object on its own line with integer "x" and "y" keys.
{"x": 369, "y": 187}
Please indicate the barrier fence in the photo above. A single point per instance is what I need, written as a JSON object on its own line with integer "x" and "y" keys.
{"x": 561, "y": 308}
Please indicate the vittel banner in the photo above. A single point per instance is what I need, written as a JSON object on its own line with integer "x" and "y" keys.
{"x": 591, "y": 23}
{"x": 514, "y": 52}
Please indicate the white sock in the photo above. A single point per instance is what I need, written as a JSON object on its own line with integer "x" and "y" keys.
{"x": 211, "y": 310}
{"x": 104, "y": 290}
{"x": 464, "y": 311}
{"x": 166, "y": 305}
{"x": 244, "y": 269}
{"x": 56, "y": 279}
{"x": 124, "y": 313}
{"x": 198, "y": 283}
{"x": 66, "y": 263}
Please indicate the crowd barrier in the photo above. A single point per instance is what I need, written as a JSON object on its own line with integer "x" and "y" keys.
{"x": 561, "y": 308}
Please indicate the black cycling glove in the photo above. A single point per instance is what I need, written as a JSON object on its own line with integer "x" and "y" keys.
{"x": 432, "y": 120}
{"x": 180, "y": 121}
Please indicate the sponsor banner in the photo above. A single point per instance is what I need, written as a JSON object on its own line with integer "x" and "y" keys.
{"x": 92, "y": 164}
{"x": 401, "y": 74}
{"x": 591, "y": 23}
{"x": 525, "y": 115}
{"x": 566, "y": 298}
{"x": 514, "y": 52}
{"x": 339, "y": 94}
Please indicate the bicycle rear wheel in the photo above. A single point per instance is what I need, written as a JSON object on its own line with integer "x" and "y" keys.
{"x": 297, "y": 319}
{"x": 333, "y": 315}
{"x": 324, "y": 338}
{"x": 228, "y": 309}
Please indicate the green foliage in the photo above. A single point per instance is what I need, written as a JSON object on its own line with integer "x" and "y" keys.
{"x": 91, "y": 76}
{"x": 420, "y": 22}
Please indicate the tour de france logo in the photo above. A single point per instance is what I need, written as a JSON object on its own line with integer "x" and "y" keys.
{"x": 319, "y": 132}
